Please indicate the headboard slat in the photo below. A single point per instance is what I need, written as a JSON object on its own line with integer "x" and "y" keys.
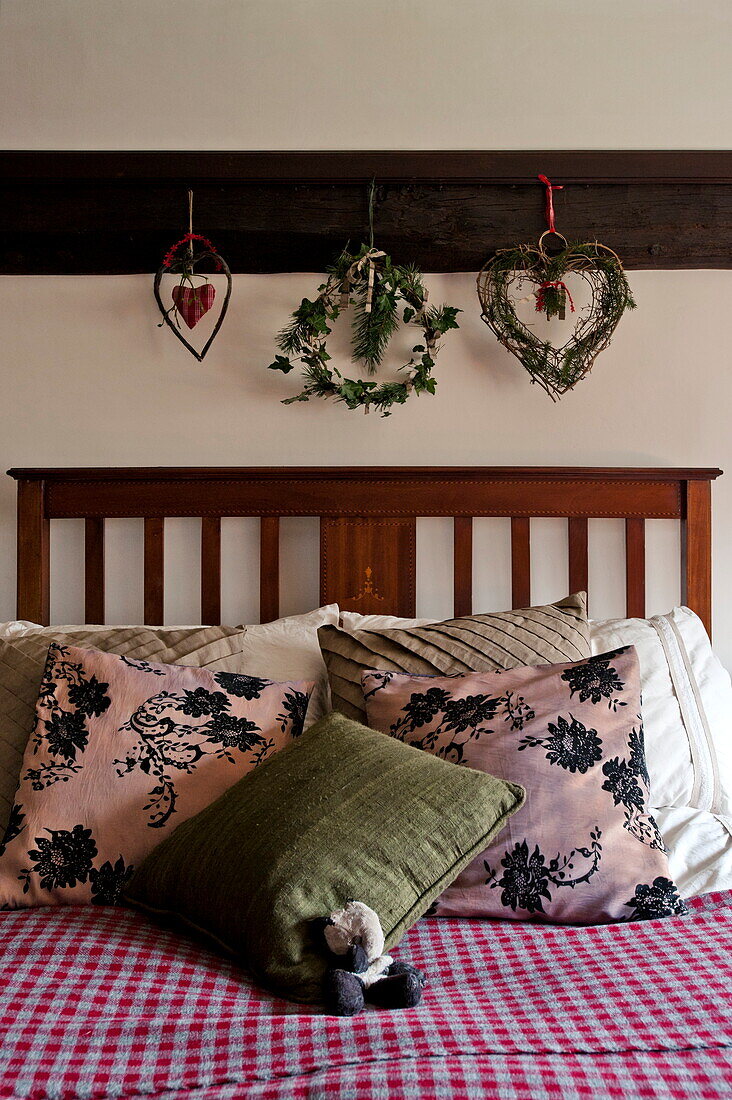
{"x": 462, "y": 565}
{"x": 520, "y": 561}
{"x": 578, "y": 554}
{"x": 211, "y": 570}
{"x": 269, "y": 568}
{"x": 34, "y": 552}
{"x": 154, "y": 571}
{"x": 94, "y": 601}
{"x": 696, "y": 550}
{"x": 635, "y": 568}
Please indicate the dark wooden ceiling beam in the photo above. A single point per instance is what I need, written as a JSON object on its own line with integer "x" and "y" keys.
{"x": 117, "y": 212}
{"x": 507, "y": 167}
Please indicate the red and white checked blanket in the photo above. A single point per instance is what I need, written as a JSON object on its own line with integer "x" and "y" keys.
{"x": 101, "y": 1003}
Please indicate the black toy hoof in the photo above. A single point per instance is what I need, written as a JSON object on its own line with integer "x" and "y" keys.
{"x": 407, "y": 968}
{"x": 343, "y": 993}
{"x": 403, "y": 990}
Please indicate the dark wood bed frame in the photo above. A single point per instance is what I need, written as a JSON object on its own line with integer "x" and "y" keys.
{"x": 367, "y": 526}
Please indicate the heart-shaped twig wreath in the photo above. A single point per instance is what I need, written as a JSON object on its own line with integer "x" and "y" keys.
{"x": 556, "y": 369}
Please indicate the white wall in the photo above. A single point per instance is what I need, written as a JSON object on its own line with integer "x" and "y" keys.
{"x": 350, "y": 74}
{"x": 89, "y": 379}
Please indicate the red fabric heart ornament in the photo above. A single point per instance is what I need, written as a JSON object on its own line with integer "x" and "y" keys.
{"x": 193, "y": 302}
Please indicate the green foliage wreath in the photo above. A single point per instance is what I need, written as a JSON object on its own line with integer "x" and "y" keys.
{"x": 380, "y": 291}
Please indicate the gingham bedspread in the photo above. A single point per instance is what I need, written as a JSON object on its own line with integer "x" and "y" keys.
{"x": 100, "y": 1003}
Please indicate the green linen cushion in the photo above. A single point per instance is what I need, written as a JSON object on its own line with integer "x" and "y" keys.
{"x": 343, "y": 812}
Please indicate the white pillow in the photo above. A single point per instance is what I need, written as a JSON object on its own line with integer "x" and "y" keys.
{"x": 288, "y": 649}
{"x": 352, "y": 620}
{"x": 16, "y": 628}
{"x": 687, "y": 708}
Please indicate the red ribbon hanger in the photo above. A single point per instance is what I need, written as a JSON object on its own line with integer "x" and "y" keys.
{"x": 549, "y": 208}
{"x": 551, "y": 228}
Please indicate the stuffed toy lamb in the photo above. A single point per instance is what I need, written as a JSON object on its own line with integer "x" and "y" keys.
{"x": 359, "y": 970}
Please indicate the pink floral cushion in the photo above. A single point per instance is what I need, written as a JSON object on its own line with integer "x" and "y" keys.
{"x": 122, "y": 752}
{"x": 583, "y": 849}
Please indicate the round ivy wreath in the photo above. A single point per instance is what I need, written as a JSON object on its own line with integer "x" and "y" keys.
{"x": 379, "y": 289}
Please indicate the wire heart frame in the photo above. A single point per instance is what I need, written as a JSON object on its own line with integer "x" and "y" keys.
{"x": 556, "y": 369}
{"x": 185, "y": 265}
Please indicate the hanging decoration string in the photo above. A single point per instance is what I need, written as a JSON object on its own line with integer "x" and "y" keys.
{"x": 372, "y": 204}
{"x": 371, "y": 254}
{"x": 190, "y": 224}
{"x": 170, "y": 259}
{"x": 369, "y": 260}
{"x": 549, "y": 202}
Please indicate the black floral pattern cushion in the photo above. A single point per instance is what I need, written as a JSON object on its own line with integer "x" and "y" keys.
{"x": 584, "y": 848}
{"x": 122, "y": 752}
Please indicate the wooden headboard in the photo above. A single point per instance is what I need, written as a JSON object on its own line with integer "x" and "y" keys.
{"x": 367, "y": 526}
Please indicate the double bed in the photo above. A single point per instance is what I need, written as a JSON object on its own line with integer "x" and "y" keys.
{"x": 102, "y": 1002}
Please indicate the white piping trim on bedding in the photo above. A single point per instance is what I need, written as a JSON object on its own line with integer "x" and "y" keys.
{"x": 705, "y": 792}
{"x": 716, "y": 785}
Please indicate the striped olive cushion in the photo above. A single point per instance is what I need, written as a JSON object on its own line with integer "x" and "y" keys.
{"x": 22, "y": 660}
{"x": 476, "y": 643}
